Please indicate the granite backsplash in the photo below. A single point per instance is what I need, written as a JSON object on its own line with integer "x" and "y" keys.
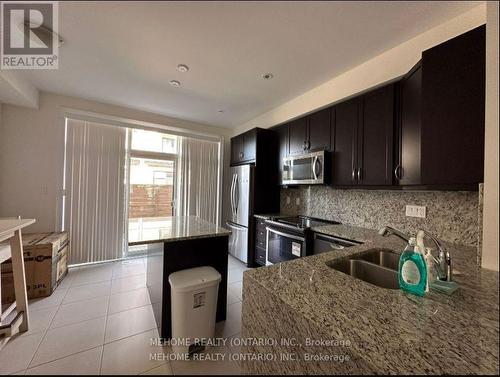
{"x": 451, "y": 215}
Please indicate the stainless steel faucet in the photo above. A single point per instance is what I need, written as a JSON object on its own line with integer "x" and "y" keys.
{"x": 442, "y": 263}
{"x": 388, "y": 231}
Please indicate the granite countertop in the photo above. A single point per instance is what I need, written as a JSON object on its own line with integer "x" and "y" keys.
{"x": 394, "y": 332}
{"x": 176, "y": 228}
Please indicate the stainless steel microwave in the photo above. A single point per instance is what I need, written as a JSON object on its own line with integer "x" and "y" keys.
{"x": 305, "y": 169}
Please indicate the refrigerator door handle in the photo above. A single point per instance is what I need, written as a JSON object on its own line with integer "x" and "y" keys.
{"x": 232, "y": 195}
{"x": 236, "y": 194}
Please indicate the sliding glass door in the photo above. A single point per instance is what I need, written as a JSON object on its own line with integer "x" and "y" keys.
{"x": 120, "y": 185}
{"x": 151, "y": 183}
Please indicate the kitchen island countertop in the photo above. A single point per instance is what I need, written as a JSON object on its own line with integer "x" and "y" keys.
{"x": 176, "y": 228}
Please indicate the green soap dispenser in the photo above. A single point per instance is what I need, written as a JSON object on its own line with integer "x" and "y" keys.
{"x": 412, "y": 269}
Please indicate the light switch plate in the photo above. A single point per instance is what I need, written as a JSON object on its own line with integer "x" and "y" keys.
{"x": 287, "y": 199}
{"x": 297, "y": 201}
{"x": 416, "y": 211}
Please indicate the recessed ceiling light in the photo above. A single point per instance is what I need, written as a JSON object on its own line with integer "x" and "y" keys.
{"x": 267, "y": 76}
{"x": 175, "y": 83}
{"x": 182, "y": 68}
{"x": 220, "y": 111}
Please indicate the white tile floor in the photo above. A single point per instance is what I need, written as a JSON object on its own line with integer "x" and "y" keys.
{"x": 100, "y": 321}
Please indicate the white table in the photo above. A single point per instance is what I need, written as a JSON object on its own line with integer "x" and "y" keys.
{"x": 10, "y": 231}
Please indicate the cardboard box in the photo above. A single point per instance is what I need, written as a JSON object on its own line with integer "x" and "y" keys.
{"x": 45, "y": 263}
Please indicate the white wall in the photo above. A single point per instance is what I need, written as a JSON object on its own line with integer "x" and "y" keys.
{"x": 31, "y": 153}
{"x": 382, "y": 68}
{"x": 490, "y": 212}
{"x": 14, "y": 89}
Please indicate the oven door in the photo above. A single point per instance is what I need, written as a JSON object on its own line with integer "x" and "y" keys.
{"x": 283, "y": 246}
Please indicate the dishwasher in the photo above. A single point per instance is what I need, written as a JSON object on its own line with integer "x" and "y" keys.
{"x": 324, "y": 243}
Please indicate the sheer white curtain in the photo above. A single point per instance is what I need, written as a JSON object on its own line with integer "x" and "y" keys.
{"x": 198, "y": 179}
{"x": 94, "y": 205}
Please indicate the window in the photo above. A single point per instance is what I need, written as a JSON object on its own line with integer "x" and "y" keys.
{"x": 151, "y": 181}
{"x": 169, "y": 144}
{"x": 152, "y": 141}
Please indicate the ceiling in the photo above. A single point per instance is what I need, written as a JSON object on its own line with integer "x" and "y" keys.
{"x": 125, "y": 53}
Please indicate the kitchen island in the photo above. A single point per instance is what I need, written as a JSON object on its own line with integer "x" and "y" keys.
{"x": 323, "y": 321}
{"x": 188, "y": 242}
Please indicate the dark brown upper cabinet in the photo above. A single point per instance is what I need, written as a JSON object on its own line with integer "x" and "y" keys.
{"x": 363, "y": 139}
{"x": 250, "y": 145}
{"x": 424, "y": 132}
{"x": 283, "y": 145}
{"x": 375, "y": 138}
{"x": 310, "y": 133}
{"x": 345, "y": 126}
{"x": 237, "y": 153}
{"x": 441, "y": 135}
{"x": 318, "y": 130}
{"x": 408, "y": 161}
{"x": 243, "y": 147}
{"x": 297, "y": 134}
{"x": 453, "y": 105}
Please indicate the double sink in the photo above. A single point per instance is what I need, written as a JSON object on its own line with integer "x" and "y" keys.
{"x": 375, "y": 266}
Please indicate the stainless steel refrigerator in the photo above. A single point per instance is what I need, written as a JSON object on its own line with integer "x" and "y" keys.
{"x": 239, "y": 219}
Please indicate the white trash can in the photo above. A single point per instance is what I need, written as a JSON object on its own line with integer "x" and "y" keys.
{"x": 194, "y": 305}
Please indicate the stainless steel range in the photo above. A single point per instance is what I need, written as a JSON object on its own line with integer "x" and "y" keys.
{"x": 291, "y": 237}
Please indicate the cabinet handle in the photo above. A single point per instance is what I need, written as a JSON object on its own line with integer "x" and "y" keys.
{"x": 241, "y": 155}
{"x": 353, "y": 174}
{"x": 397, "y": 172}
{"x": 359, "y": 174}
{"x": 308, "y": 144}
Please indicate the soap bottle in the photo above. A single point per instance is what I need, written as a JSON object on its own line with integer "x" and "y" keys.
{"x": 412, "y": 269}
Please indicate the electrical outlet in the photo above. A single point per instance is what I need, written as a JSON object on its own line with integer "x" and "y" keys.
{"x": 288, "y": 199}
{"x": 297, "y": 201}
{"x": 416, "y": 211}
